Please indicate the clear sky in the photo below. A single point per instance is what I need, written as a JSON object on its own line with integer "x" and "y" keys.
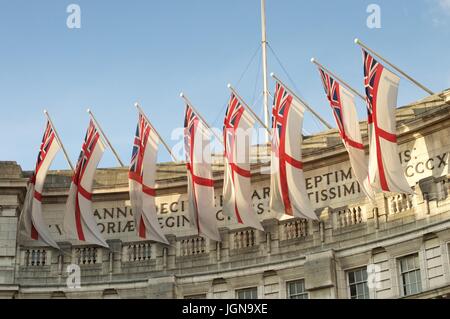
{"x": 148, "y": 51}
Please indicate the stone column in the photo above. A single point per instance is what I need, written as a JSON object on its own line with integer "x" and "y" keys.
{"x": 12, "y": 192}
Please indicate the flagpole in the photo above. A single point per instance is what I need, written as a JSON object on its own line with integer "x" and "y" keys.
{"x": 324, "y": 122}
{"x": 153, "y": 128}
{"x": 264, "y": 67}
{"x": 248, "y": 108}
{"x": 357, "y": 41}
{"x": 188, "y": 102}
{"x": 58, "y": 140}
{"x": 105, "y": 138}
{"x": 313, "y": 60}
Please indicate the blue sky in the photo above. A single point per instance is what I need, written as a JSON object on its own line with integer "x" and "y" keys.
{"x": 148, "y": 51}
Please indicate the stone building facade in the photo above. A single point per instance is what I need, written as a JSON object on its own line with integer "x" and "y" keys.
{"x": 397, "y": 247}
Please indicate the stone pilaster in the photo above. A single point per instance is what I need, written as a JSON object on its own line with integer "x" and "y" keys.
{"x": 320, "y": 269}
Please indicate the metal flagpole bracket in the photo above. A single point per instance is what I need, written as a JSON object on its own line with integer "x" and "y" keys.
{"x": 306, "y": 105}
{"x": 105, "y": 138}
{"x": 188, "y": 102}
{"x": 313, "y": 60}
{"x": 248, "y": 108}
{"x": 140, "y": 110}
{"x": 358, "y": 42}
{"x": 58, "y": 140}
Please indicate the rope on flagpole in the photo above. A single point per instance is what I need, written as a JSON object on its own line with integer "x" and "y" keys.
{"x": 289, "y": 77}
{"x": 157, "y": 133}
{"x": 358, "y": 42}
{"x": 313, "y": 60}
{"x": 248, "y": 108}
{"x": 58, "y": 140}
{"x": 105, "y": 138}
{"x": 250, "y": 62}
{"x": 188, "y": 102}
{"x": 306, "y": 105}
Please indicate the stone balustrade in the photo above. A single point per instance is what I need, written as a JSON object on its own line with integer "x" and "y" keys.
{"x": 87, "y": 255}
{"x": 36, "y": 257}
{"x": 192, "y": 246}
{"x": 297, "y": 228}
{"x": 400, "y": 203}
{"x": 243, "y": 239}
{"x": 138, "y": 251}
{"x": 349, "y": 216}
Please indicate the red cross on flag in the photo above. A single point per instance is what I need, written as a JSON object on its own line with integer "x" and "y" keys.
{"x": 237, "y": 191}
{"x": 342, "y": 103}
{"x": 288, "y": 196}
{"x": 199, "y": 171}
{"x": 385, "y": 169}
{"x": 32, "y": 221}
{"x": 79, "y": 221}
{"x": 142, "y": 176}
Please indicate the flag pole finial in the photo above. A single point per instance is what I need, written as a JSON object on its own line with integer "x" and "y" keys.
{"x": 272, "y": 74}
{"x": 229, "y": 85}
{"x": 181, "y": 94}
{"x": 313, "y": 60}
{"x": 356, "y": 41}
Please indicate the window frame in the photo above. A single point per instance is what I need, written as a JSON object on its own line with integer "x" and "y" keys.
{"x": 193, "y": 296}
{"x": 401, "y": 283}
{"x": 236, "y": 292}
{"x": 305, "y": 292}
{"x": 347, "y": 278}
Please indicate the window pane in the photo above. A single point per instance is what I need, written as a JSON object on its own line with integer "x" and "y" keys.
{"x": 407, "y": 291}
{"x": 358, "y": 283}
{"x": 292, "y": 288}
{"x": 301, "y": 286}
{"x": 360, "y": 290}
{"x": 353, "y": 290}
{"x": 418, "y": 281}
{"x": 364, "y": 275}
{"x": 416, "y": 261}
{"x": 351, "y": 277}
{"x": 195, "y": 297}
{"x": 296, "y": 289}
{"x": 249, "y": 293}
{"x": 358, "y": 276}
{"x": 403, "y": 264}
{"x": 410, "y": 274}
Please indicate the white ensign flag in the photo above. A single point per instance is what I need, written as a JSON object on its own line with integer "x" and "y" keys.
{"x": 342, "y": 103}
{"x": 288, "y": 195}
{"x": 199, "y": 171}
{"x": 237, "y": 190}
{"x": 385, "y": 170}
{"x": 32, "y": 222}
{"x": 79, "y": 221}
{"x": 142, "y": 176}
